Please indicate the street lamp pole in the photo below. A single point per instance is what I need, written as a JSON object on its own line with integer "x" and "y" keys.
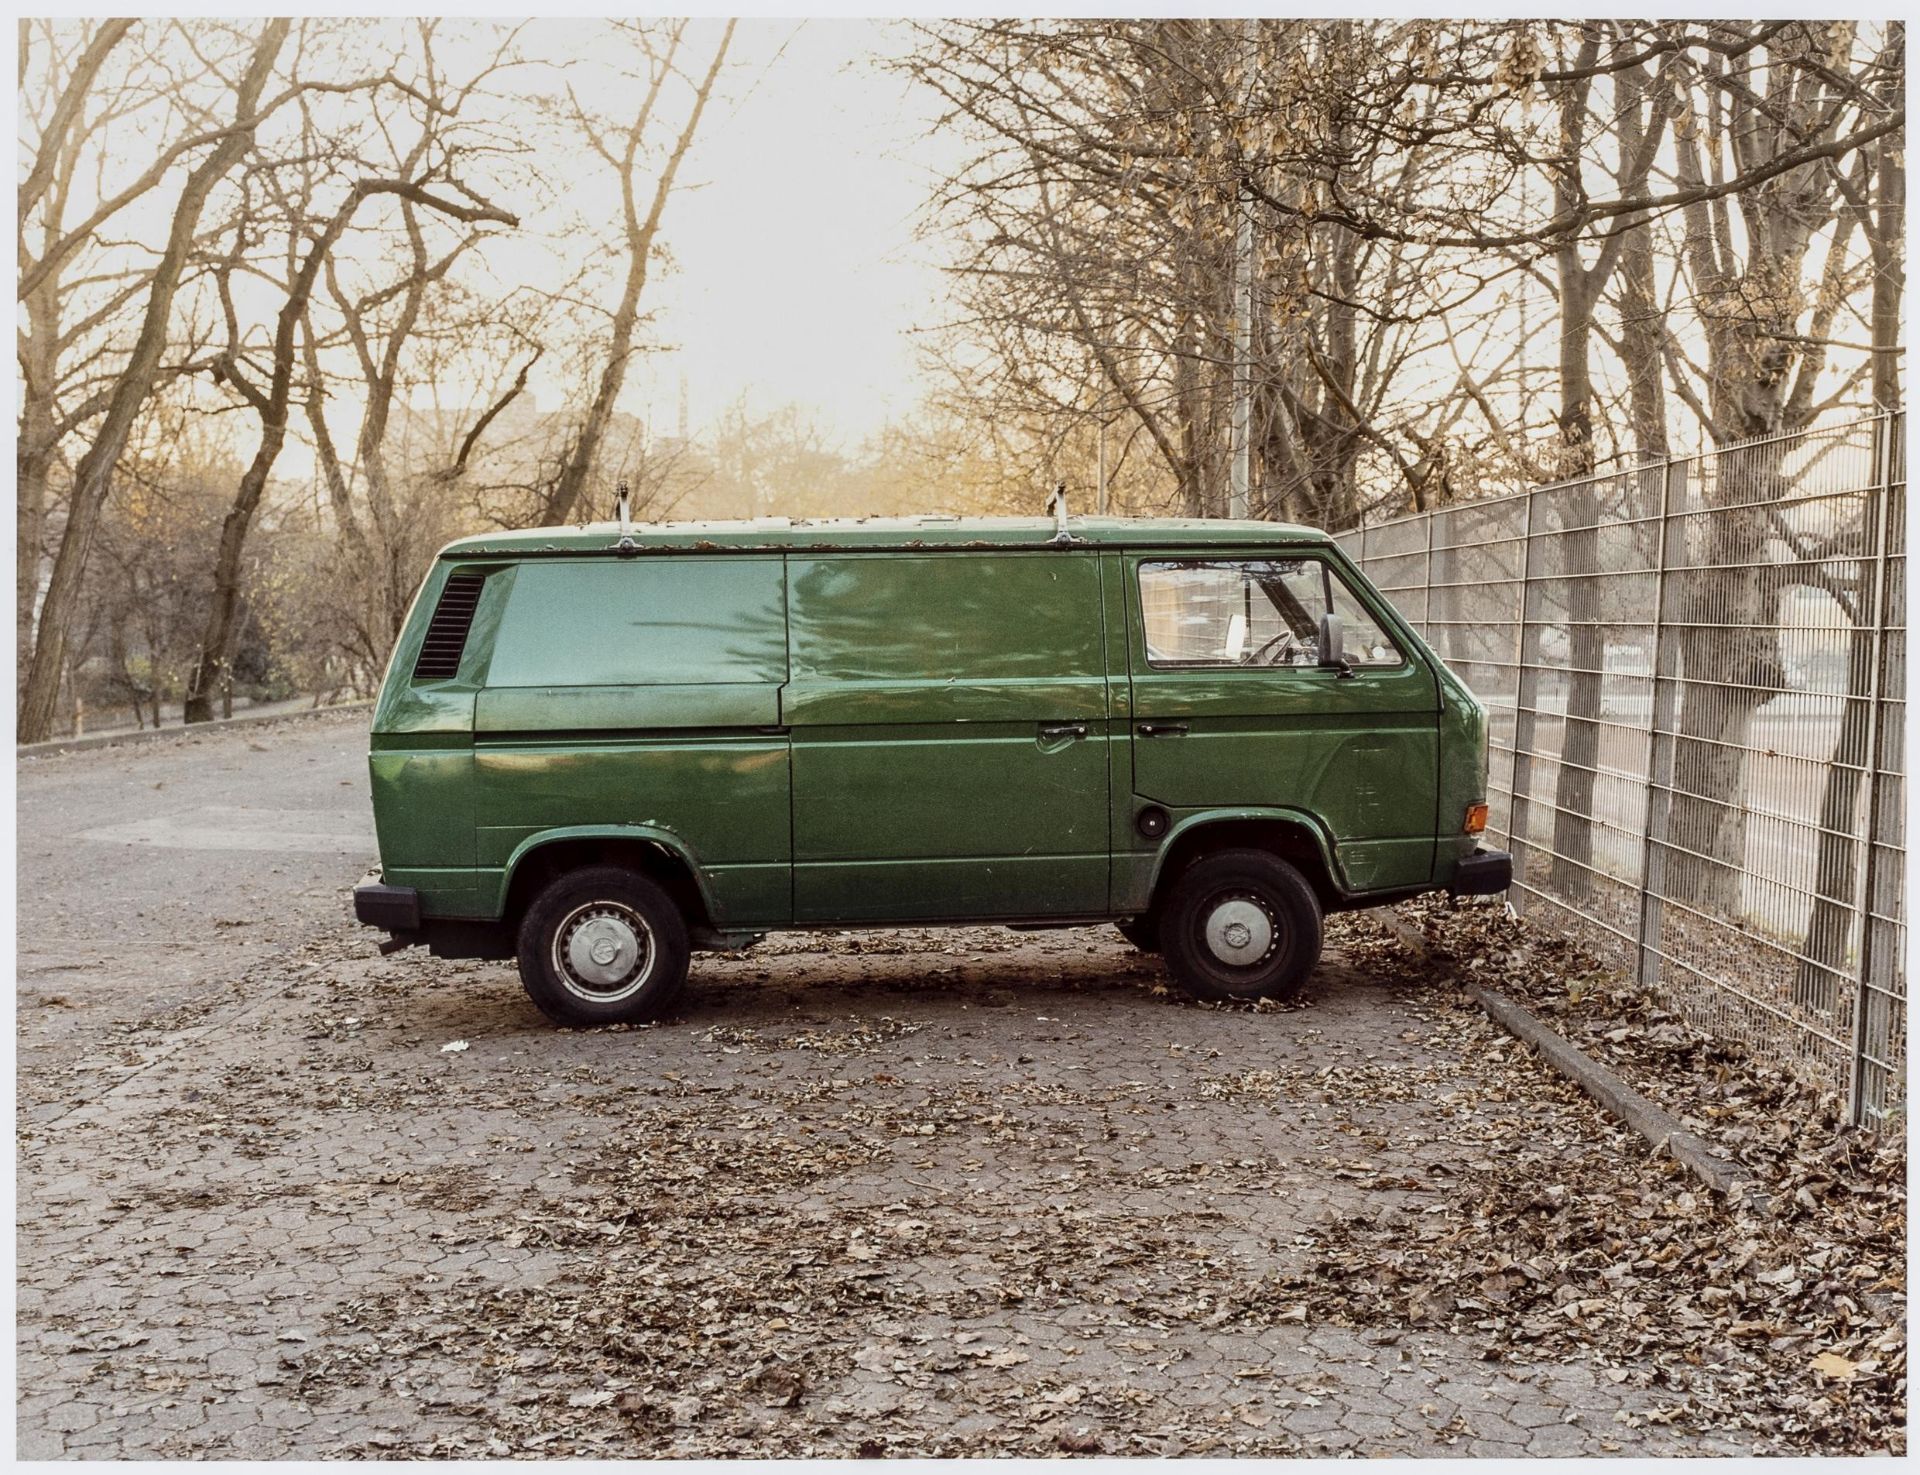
{"x": 1240, "y": 474}
{"x": 1100, "y": 495}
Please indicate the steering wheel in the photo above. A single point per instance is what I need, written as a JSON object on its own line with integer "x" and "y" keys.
{"x": 1260, "y": 656}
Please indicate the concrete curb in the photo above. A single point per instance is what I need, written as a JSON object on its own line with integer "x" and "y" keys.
{"x": 1661, "y": 1129}
{"x": 154, "y": 734}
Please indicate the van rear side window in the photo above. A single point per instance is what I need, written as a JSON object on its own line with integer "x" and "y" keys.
{"x": 643, "y": 622}
{"x": 980, "y": 617}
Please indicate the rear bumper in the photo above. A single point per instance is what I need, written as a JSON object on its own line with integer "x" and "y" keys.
{"x": 1484, "y": 873}
{"x": 395, "y": 908}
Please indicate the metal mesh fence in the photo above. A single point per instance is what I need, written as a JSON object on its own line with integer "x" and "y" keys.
{"x": 1695, "y": 672}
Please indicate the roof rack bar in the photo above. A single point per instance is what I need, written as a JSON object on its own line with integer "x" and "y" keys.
{"x": 1057, "y": 505}
{"x": 623, "y": 511}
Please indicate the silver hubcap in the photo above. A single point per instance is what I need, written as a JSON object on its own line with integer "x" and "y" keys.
{"x": 603, "y": 951}
{"x": 1239, "y": 932}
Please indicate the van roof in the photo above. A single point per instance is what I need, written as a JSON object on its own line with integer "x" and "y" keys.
{"x": 779, "y": 534}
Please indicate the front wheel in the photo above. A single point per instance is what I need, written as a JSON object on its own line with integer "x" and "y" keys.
{"x": 1241, "y": 924}
{"x": 603, "y": 945}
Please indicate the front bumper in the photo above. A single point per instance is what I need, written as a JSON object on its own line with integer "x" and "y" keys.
{"x": 1484, "y": 873}
{"x": 395, "y": 908}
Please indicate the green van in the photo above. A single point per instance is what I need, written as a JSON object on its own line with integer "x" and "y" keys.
{"x": 599, "y": 748}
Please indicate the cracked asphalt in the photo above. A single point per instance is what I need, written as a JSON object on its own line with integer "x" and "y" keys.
{"x": 918, "y": 1192}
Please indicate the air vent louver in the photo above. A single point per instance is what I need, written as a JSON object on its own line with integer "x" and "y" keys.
{"x": 440, "y": 652}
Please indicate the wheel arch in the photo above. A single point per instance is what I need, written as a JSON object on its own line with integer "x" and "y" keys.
{"x": 657, "y": 854}
{"x": 1291, "y": 834}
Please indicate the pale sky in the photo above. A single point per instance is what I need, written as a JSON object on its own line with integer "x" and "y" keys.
{"x": 798, "y": 277}
{"x": 795, "y": 275}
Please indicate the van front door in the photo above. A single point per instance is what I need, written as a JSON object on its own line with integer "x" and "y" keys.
{"x": 948, "y": 715}
{"x": 1232, "y": 708}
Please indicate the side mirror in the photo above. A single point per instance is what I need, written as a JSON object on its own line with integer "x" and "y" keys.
{"x": 1333, "y": 648}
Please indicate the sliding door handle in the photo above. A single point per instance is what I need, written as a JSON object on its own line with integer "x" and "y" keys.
{"x": 1162, "y": 729}
{"x": 1054, "y": 732}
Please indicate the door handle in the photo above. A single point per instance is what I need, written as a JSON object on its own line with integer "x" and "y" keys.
{"x": 1053, "y": 732}
{"x": 1162, "y": 729}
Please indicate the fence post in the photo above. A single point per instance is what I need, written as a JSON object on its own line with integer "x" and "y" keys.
{"x": 1883, "y": 455}
{"x": 1660, "y": 735}
{"x": 1525, "y": 698}
{"x": 1426, "y": 587}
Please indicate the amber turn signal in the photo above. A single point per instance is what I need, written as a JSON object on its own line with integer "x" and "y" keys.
{"x": 1476, "y": 819}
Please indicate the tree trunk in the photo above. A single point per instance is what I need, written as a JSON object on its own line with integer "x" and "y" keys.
{"x": 1829, "y": 927}
{"x": 33, "y": 464}
{"x": 1571, "y": 873}
{"x": 1186, "y": 392}
{"x": 1338, "y": 503}
{"x": 213, "y": 666}
{"x": 36, "y": 452}
{"x": 1885, "y": 234}
{"x": 93, "y": 480}
{"x": 1726, "y": 615}
{"x": 1728, "y": 632}
{"x": 1642, "y": 338}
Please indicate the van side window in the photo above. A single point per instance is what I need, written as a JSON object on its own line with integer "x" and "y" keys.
{"x": 1253, "y": 612}
{"x": 981, "y": 617}
{"x": 643, "y": 622}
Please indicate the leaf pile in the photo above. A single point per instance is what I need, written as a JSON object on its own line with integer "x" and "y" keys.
{"x": 722, "y": 1291}
{"x": 977, "y": 1193}
{"x": 1786, "y": 1322}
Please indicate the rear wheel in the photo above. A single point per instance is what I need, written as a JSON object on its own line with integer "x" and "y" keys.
{"x": 1241, "y": 924}
{"x": 603, "y": 945}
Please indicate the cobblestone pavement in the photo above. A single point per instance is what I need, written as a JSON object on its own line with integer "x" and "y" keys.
{"x": 916, "y": 1192}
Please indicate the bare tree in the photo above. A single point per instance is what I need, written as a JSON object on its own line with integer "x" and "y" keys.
{"x": 1096, "y": 242}
{"x": 70, "y": 100}
{"x": 271, "y": 403}
{"x": 145, "y": 598}
{"x": 1877, "y": 196}
{"x": 1484, "y": 253}
{"x": 93, "y": 477}
{"x": 1581, "y": 284}
{"x": 1766, "y": 312}
{"x": 388, "y": 515}
{"x": 621, "y": 148}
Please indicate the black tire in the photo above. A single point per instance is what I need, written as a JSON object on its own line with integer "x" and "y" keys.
{"x": 631, "y": 912}
{"x": 1143, "y": 932}
{"x": 1251, "y": 889}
